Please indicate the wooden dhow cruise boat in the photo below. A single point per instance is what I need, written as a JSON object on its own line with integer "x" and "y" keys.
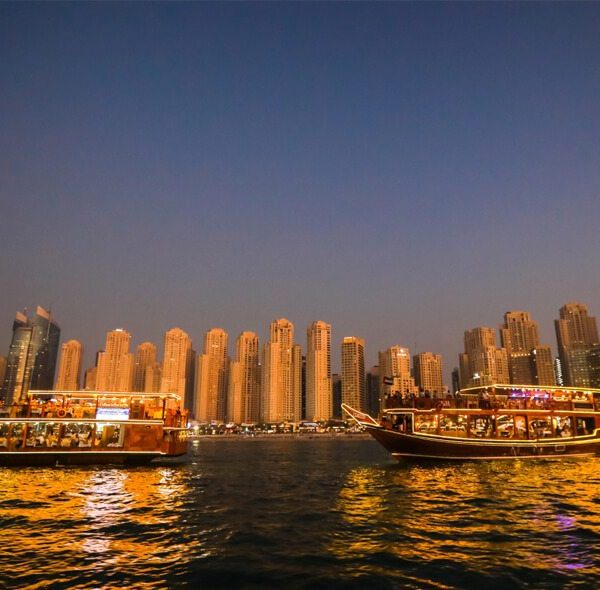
{"x": 492, "y": 422}
{"x": 92, "y": 427}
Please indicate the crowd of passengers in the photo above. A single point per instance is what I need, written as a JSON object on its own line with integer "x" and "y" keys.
{"x": 51, "y": 436}
{"x": 485, "y": 401}
{"x": 50, "y": 409}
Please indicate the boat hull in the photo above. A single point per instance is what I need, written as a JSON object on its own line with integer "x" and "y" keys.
{"x": 50, "y": 459}
{"x": 422, "y": 447}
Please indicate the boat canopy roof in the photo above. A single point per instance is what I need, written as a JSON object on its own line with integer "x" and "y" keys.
{"x": 528, "y": 390}
{"x": 82, "y": 394}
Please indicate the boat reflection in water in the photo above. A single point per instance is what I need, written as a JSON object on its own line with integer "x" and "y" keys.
{"x": 89, "y": 523}
{"x": 456, "y": 525}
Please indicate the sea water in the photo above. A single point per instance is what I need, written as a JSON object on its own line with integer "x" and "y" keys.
{"x": 302, "y": 513}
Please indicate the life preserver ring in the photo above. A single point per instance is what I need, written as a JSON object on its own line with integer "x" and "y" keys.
{"x": 61, "y": 412}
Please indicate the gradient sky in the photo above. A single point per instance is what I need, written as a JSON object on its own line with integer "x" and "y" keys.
{"x": 402, "y": 171}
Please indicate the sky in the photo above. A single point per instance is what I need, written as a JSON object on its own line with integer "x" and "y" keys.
{"x": 403, "y": 171}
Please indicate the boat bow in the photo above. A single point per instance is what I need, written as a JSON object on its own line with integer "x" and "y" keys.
{"x": 361, "y": 418}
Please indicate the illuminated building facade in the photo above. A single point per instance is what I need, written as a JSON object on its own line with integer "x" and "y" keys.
{"x": 353, "y": 373}
{"x": 115, "y": 363}
{"x": 576, "y": 336}
{"x": 145, "y": 357}
{"x": 281, "y": 388}
{"x": 319, "y": 394}
{"x": 427, "y": 369}
{"x": 31, "y": 360}
{"x": 211, "y": 380}
{"x": 394, "y": 372}
{"x": 177, "y": 375}
{"x": 69, "y": 368}
{"x": 482, "y": 363}
{"x": 519, "y": 335}
{"x": 243, "y": 398}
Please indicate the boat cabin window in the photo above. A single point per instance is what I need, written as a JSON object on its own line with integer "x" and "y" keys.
{"x": 482, "y": 426}
{"x": 110, "y": 435}
{"x": 453, "y": 425}
{"x": 16, "y": 435}
{"x": 505, "y": 426}
{"x": 77, "y": 435}
{"x": 36, "y": 435}
{"x": 402, "y": 422}
{"x": 584, "y": 426}
{"x": 540, "y": 427}
{"x": 562, "y": 426}
{"x": 425, "y": 423}
{"x": 520, "y": 427}
{"x": 4, "y": 431}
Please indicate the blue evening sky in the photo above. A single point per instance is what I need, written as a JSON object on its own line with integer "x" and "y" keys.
{"x": 404, "y": 171}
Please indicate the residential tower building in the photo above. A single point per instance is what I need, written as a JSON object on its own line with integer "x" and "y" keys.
{"x": 353, "y": 373}
{"x": 115, "y": 363}
{"x": 31, "y": 360}
{"x": 319, "y": 394}
{"x": 211, "y": 380}
{"x": 69, "y": 368}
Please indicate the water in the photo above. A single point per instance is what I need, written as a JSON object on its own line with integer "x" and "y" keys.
{"x": 332, "y": 513}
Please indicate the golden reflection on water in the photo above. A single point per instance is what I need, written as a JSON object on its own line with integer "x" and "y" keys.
{"x": 538, "y": 515}
{"x": 111, "y": 517}
{"x": 359, "y": 504}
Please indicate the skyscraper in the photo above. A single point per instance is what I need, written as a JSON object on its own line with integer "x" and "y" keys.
{"x": 482, "y": 363}
{"x": 336, "y": 386}
{"x": 319, "y": 394}
{"x": 576, "y": 336}
{"x": 372, "y": 391}
{"x": 428, "y": 372}
{"x": 69, "y": 369}
{"x": 281, "y": 387}
{"x": 243, "y": 398}
{"x": 394, "y": 372}
{"x": 115, "y": 363}
{"x": 519, "y": 335}
{"x": 89, "y": 379}
{"x": 177, "y": 375}
{"x": 594, "y": 366}
{"x": 145, "y": 357}
{"x": 31, "y": 360}
{"x": 2, "y": 371}
{"x": 543, "y": 365}
{"x": 211, "y": 381}
{"x": 353, "y": 373}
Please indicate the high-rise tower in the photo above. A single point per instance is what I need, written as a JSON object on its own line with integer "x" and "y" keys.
{"x": 3, "y": 361}
{"x": 145, "y": 356}
{"x": 482, "y": 363}
{"x": 576, "y": 336}
{"x": 281, "y": 387}
{"x": 69, "y": 369}
{"x": 31, "y": 360}
{"x": 243, "y": 399}
{"x": 115, "y": 363}
{"x": 428, "y": 372}
{"x": 319, "y": 394}
{"x": 519, "y": 335}
{"x": 211, "y": 381}
{"x": 177, "y": 374}
{"x": 353, "y": 373}
{"x": 394, "y": 372}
